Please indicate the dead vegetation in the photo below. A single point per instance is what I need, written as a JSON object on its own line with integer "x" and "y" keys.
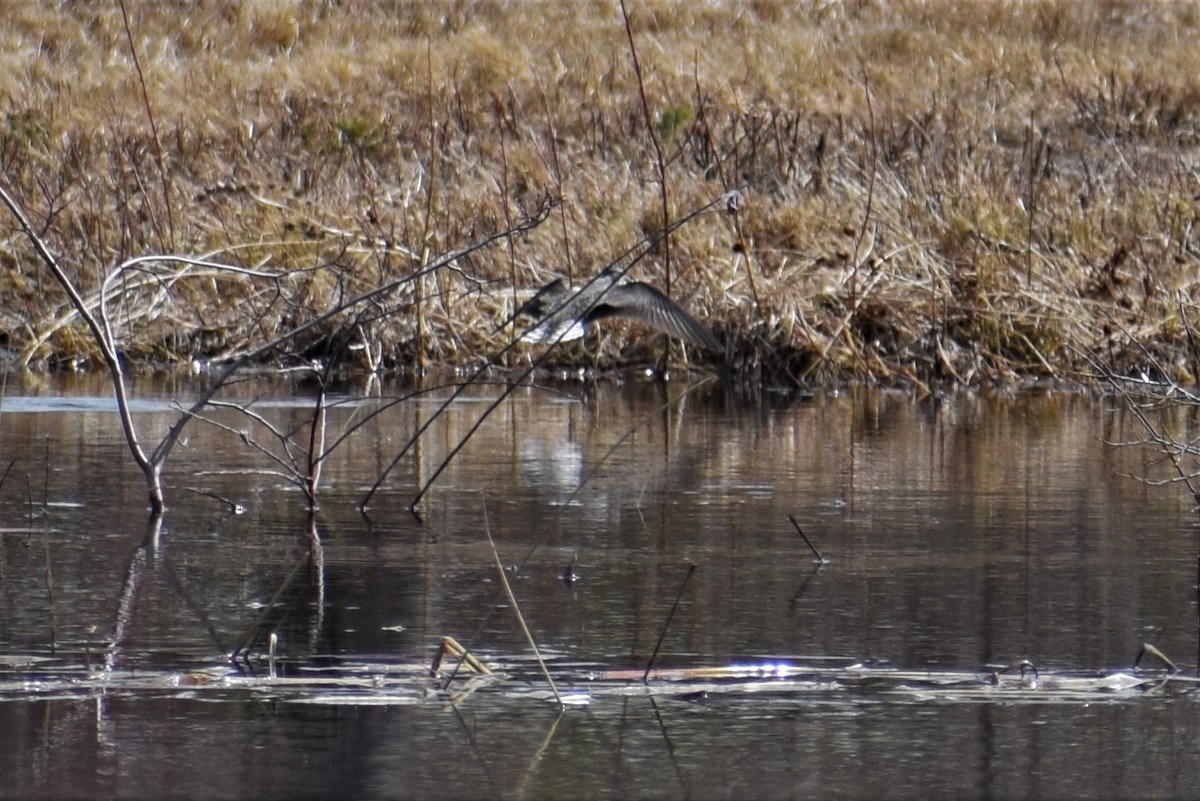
{"x": 936, "y": 191}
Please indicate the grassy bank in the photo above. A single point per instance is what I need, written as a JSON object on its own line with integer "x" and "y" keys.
{"x": 935, "y": 191}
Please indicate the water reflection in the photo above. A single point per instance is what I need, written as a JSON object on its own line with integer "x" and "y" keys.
{"x": 962, "y": 531}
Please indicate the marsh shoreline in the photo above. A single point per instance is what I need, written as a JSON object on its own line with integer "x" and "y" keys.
{"x": 932, "y": 193}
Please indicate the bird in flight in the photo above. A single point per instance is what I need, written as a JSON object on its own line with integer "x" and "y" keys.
{"x": 564, "y": 314}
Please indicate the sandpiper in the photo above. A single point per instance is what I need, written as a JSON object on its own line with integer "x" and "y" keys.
{"x": 564, "y": 313}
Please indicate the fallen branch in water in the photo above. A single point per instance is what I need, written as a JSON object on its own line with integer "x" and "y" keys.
{"x": 1150, "y": 650}
{"x": 451, "y": 647}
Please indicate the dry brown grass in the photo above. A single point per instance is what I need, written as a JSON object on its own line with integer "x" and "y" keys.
{"x": 1000, "y": 185}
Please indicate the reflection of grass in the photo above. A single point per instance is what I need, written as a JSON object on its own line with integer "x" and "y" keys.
{"x": 1018, "y": 182}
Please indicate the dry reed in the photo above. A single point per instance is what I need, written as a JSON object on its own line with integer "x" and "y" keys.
{"x": 1019, "y": 189}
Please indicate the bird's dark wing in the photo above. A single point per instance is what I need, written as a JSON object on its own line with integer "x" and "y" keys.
{"x": 644, "y": 303}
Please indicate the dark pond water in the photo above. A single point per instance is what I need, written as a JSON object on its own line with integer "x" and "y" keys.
{"x": 963, "y": 534}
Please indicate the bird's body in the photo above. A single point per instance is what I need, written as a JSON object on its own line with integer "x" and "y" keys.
{"x": 564, "y": 314}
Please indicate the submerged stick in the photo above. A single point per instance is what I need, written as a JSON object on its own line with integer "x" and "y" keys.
{"x": 234, "y": 507}
{"x": 50, "y": 597}
{"x": 662, "y": 635}
{"x": 821, "y": 560}
{"x": 471, "y": 732}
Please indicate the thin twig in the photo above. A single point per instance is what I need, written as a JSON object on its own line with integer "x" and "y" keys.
{"x": 512, "y": 599}
{"x": 558, "y": 182}
{"x": 662, "y": 634}
{"x": 820, "y": 559}
{"x": 158, "y": 154}
{"x": 862, "y": 231}
{"x": 107, "y": 349}
{"x": 659, "y": 161}
{"x": 316, "y": 449}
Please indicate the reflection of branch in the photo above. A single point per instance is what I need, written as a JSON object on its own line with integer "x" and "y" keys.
{"x": 127, "y": 600}
{"x": 800, "y": 590}
{"x": 1160, "y": 396}
{"x": 316, "y": 566}
{"x": 662, "y": 727}
{"x": 471, "y": 731}
{"x": 50, "y": 595}
{"x": 535, "y": 761}
{"x": 176, "y": 585}
{"x": 314, "y": 558}
{"x": 1155, "y": 396}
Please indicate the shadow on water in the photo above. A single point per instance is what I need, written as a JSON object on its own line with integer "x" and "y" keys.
{"x": 992, "y": 574}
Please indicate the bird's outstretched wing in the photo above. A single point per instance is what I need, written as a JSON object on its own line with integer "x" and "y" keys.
{"x": 644, "y": 303}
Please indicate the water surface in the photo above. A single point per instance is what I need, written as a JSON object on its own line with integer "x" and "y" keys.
{"x": 963, "y": 534}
